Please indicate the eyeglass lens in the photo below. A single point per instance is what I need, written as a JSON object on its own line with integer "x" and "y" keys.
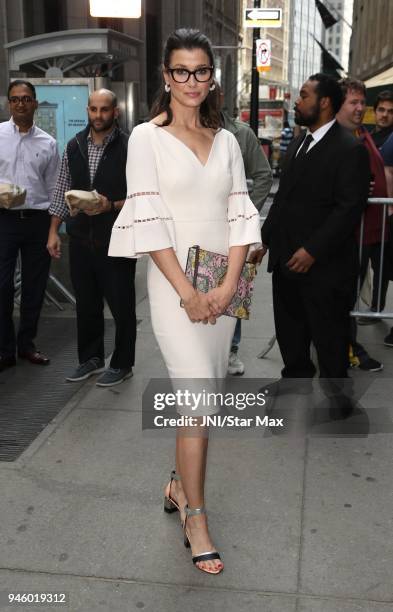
{"x": 24, "y": 99}
{"x": 181, "y": 75}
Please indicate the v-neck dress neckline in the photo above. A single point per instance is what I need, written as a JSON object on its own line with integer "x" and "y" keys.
{"x": 188, "y": 148}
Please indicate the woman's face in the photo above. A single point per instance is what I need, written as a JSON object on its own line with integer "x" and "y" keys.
{"x": 192, "y": 92}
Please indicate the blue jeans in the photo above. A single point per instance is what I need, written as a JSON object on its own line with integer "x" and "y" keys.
{"x": 236, "y": 336}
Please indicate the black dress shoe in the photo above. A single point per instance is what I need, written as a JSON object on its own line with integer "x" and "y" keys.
{"x": 288, "y": 386}
{"x": 35, "y": 357}
{"x": 6, "y": 362}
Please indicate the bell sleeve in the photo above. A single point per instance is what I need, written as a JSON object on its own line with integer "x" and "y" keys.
{"x": 243, "y": 217}
{"x": 145, "y": 223}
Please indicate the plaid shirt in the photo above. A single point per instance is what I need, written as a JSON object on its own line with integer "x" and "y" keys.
{"x": 58, "y": 205}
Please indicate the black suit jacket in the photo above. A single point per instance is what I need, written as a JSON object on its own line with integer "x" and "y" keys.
{"x": 318, "y": 205}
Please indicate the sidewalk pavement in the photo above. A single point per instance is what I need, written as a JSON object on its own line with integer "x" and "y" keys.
{"x": 303, "y": 525}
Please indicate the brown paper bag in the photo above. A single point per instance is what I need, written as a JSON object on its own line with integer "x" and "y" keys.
{"x": 11, "y": 195}
{"x": 78, "y": 200}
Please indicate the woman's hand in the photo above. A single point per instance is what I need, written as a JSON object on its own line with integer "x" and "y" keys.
{"x": 220, "y": 298}
{"x": 197, "y": 308}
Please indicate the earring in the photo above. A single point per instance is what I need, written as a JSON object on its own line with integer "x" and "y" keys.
{"x": 167, "y": 87}
{"x": 212, "y": 87}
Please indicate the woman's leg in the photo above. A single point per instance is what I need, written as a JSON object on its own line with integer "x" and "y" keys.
{"x": 191, "y": 456}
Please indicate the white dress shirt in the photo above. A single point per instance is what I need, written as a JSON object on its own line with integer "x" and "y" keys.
{"x": 317, "y": 135}
{"x": 31, "y": 161}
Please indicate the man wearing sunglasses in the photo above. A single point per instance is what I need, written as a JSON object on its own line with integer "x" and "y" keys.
{"x": 29, "y": 159}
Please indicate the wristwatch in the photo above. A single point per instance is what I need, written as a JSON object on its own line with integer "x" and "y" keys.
{"x": 113, "y": 209}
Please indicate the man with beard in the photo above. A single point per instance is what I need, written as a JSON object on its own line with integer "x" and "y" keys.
{"x": 96, "y": 159}
{"x": 310, "y": 234}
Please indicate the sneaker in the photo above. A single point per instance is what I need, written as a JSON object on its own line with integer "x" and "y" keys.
{"x": 95, "y": 365}
{"x": 113, "y": 376}
{"x": 388, "y": 340}
{"x": 235, "y": 366}
{"x": 369, "y": 364}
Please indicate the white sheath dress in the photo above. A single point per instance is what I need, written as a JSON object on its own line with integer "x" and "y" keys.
{"x": 175, "y": 201}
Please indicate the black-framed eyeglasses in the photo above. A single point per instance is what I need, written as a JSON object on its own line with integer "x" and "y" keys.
{"x": 24, "y": 99}
{"x": 181, "y": 75}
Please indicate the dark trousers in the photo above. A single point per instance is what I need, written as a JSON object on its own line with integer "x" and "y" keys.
{"x": 28, "y": 236}
{"x": 308, "y": 311}
{"x": 96, "y": 277}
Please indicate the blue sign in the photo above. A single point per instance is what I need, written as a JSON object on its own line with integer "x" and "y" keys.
{"x": 62, "y": 111}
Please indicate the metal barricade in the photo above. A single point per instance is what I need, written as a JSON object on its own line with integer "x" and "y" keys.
{"x": 378, "y": 314}
{"x": 49, "y": 297}
{"x": 357, "y": 312}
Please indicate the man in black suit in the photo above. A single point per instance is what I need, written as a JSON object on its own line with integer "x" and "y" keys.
{"x": 309, "y": 232}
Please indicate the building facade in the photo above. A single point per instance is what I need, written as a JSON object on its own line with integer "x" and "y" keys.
{"x": 304, "y": 52}
{"x": 277, "y": 77}
{"x": 337, "y": 39}
{"x": 219, "y": 19}
{"x": 372, "y": 42}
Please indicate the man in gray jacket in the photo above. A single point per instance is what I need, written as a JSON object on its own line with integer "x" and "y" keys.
{"x": 258, "y": 171}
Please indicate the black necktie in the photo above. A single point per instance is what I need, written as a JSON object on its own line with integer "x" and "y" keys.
{"x": 304, "y": 147}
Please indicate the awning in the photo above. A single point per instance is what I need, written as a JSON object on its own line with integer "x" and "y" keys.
{"x": 381, "y": 79}
{"x": 79, "y": 51}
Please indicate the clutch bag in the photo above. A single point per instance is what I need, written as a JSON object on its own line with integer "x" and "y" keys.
{"x": 206, "y": 270}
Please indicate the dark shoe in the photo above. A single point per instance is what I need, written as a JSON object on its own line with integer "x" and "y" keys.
{"x": 113, "y": 376}
{"x": 368, "y": 364}
{"x": 388, "y": 340}
{"x": 369, "y": 318}
{"x": 6, "y": 362}
{"x": 288, "y": 386}
{"x": 95, "y": 365}
{"x": 35, "y": 357}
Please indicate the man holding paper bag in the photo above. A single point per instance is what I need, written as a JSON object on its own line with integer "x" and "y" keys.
{"x": 90, "y": 191}
{"x": 29, "y": 164}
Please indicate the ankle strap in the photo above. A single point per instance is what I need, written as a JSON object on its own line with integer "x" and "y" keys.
{"x": 175, "y": 476}
{"x": 194, "y": 511}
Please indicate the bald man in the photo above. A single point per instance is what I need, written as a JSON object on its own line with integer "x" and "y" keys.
{"x": 96, "y": 160}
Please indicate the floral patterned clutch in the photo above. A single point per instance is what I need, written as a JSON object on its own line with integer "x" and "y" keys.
{"x": 207, "y": 270}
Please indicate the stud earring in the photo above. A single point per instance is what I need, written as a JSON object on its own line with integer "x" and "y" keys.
{"x": 167, "y": 87}
{"x": 212, "y": 87}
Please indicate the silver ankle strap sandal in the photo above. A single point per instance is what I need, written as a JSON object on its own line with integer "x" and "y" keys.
{"x": 170, "y": 505}
{"x": 206, "y": 556}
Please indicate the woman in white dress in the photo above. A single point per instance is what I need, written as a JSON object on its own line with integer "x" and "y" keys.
{"x": 186, "y": 186}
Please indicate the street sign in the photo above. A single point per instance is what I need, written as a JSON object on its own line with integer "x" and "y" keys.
{"x": 263, "y": 18}
{"x": 264, "y": 55}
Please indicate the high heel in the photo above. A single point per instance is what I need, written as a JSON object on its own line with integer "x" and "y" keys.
{"x": 205, "y": 556}
{"x": 170, "y": 505}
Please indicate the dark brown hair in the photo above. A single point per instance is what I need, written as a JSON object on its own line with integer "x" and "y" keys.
{"x": 383, "y": 96}
{"x": 349, "y": 84}
{"x": 188, "y": 38}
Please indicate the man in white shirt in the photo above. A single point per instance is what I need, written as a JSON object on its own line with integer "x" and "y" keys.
{"x": 29, "y": 159}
